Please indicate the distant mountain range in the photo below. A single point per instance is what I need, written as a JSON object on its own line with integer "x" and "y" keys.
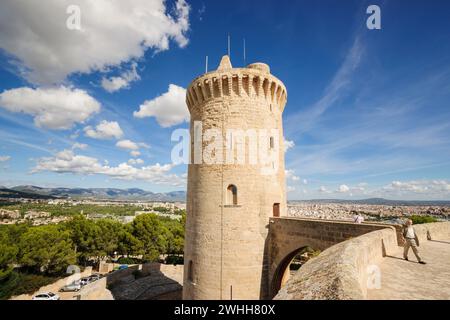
{"x": 34, "y": 192}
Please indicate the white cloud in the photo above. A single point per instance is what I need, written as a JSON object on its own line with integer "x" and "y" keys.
{"x": 123, "y": 81}
{"x": 169, "y": 109}
{"x": 290, "y": 174}
{"x": 135, "y": 153}
{"x": 53, "y": 108}
{"x": 80, "y": 146}
{"x": 343, "y": 188}
{"x": 133, "y": 146}
{"x": 112, "y": 32}
{"x": 431, "y": 187}
{"x": 4, "y": 158}
{"x": 290, "y": 189}
{"x": 127, "y": 144}
{"x": 304, "y": 120}
{"x": 104, "y": 130}
{"x": 67, "y": 161}
{"x": 305, "y": 181}
{"x": 135, "y": 161}
{"x": 322, "y": 189}
{"x": 288, "y": 144}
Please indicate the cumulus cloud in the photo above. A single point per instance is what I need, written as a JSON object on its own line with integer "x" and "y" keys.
{"x": 343, "y": 188}
{"x": 432, "y": 187}
{"x": 67, "y": 161}
{"x": 288, "y": 144}
{"x": 54, "y": 108}
{"x": 104, "y": 130}
{"x": 4, "y": 158}
{"x": 112, "y": 32}
{"x": 169, "y": 109}
{"x": 127, "y": 144}
{"x": 290, "y": 189}
{"x": 80, "y": 146}
{"x": 123, "y": 81}
{"x": 323, "y": 189}
{"x": 135, "y": 161}
{"x": 290, "y": 174}
{"x": 132, "y": 146}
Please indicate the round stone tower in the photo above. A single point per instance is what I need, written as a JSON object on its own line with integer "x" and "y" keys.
{"x": 230, "y": 197}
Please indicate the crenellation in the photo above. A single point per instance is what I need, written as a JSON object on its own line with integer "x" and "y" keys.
{"x": 238, "y": 83}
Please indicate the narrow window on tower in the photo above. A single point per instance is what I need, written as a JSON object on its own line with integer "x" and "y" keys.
{"x": 190, "y": 271}
{"x": 231, "y": 195}
{"x": 271, "y": 143}
{"x": 276, "y": 209}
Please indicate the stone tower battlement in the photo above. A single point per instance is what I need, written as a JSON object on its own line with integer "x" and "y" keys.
{"x": 229, "y": 203}
{"x": 252, "y": 82}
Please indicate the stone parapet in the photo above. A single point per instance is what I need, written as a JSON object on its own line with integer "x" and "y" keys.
{"x": 342, "y": 271}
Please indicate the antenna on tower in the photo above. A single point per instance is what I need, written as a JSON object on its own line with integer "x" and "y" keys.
{"x": 206, "y": 65}
{"x": 229, "y": 50}
{"x": 245, "y": 57}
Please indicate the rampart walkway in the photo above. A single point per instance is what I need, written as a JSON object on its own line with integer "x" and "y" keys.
{"x": 406, "y": 280}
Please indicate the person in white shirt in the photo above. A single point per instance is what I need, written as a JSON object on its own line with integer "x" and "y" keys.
{"x": 411, "y": 241}
{"x": 358, "y": 218}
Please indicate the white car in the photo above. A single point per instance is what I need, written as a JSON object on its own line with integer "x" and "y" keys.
{"x": 85, "y": 281}
{"x": 46, "y": 296}
{"x": 95, "y": 277}
{"x": 74, "y": 286}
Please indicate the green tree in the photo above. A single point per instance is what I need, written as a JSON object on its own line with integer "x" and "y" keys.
{"x": 46, "y": 249}
{"x": 149, "y": 230}
{"x": 175, "y": 237}
{"x": 422, "y": 219}
{"x": 83, "y": 233}
{"x": 128, "y": 243}
{"x": 107, "y": 238}
{"x": 8, "y": 252}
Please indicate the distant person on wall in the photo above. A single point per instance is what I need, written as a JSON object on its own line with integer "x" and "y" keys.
{"x": 411, "y": 240}
{"x": 358, "y": 218}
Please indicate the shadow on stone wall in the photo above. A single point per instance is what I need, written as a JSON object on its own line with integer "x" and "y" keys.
{"x": 146, "y": 282}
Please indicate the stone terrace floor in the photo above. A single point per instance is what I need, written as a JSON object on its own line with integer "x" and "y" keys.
{"x": 409, "y": 280}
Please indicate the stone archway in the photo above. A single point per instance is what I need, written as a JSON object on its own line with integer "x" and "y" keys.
{"x": 297, "y": 257}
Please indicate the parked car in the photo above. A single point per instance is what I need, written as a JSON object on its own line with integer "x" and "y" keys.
{"x": 95, "y": 277}
{"x": 123, "y": 267}
{"x": 74, "y": 286}
{"x": 46, "y": 296}
{"x": 84, "y": 281}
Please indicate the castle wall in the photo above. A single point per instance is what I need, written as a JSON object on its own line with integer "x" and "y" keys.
{"x": 287, "y": 235}
{"x": 344, "y": 270}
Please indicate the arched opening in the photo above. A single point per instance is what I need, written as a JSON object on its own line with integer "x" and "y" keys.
{"x": 290, "y": 265}
{"x": 232, "y": 195}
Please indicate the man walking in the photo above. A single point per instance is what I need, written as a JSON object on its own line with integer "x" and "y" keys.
{"x": 358, "y": 218}
{"x": 411, "y": 240}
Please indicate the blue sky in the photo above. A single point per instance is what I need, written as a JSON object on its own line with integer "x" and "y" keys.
{"x": 368, "y": 111}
